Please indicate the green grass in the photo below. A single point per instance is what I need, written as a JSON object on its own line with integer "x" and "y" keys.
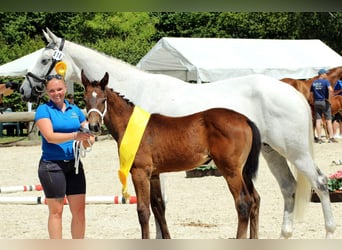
{"x": 9, "y": 139}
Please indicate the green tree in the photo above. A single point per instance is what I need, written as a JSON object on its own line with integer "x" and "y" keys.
{"x": 125, "y": 35}
{"x": 325, "y": 26}
{"x": 130, "y": 35}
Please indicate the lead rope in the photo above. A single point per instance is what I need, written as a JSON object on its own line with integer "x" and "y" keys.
{"x": 79, "y": 151}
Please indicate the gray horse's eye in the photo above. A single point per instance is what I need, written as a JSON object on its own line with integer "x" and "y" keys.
{"x": 45, "y": 61}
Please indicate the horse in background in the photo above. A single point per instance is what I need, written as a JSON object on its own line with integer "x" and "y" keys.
{"x": 336, "y": 104}
{"x": 304, "y": 86}
{"x": 181, "y": 143}
{"x": 7, "y": 89}
{"x": 334, "y": 75}
{"x": 300, "y": 85}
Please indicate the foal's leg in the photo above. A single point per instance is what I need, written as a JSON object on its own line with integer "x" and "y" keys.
{"x": 141, "y": 182}
{"x": 243, "y": 201}
{"x": 287, "y": 183}
{"x": 254, "y": 215}
{"x": 158, "y": 206}
{"x": 162, "y": 187}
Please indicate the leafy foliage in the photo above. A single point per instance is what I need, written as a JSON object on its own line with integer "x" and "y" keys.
{"x": 130, "y": 35}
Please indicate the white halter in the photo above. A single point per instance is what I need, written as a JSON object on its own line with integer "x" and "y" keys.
{"x": 99, "y": 112}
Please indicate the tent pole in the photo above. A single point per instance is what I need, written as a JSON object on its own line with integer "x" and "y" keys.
{"x": 199, "y": 81}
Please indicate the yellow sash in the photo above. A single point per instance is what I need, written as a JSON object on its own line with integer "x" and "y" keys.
{"x": 130, "y": 143}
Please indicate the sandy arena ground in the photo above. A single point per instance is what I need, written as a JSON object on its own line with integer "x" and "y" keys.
{"x": 197, "y": 208}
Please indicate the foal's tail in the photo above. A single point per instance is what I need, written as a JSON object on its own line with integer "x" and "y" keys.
{"x": 250, "y": 169}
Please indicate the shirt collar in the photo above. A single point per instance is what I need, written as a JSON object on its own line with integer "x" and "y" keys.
{"x": 67, "y": 105}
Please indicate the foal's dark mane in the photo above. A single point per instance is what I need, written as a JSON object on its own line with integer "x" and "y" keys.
{"x": 129, "y": 102}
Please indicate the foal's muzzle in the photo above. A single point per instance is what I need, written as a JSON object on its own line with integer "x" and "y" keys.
{"x": 95, "y": 128}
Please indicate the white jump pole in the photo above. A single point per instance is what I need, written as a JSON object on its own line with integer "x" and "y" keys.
{"x": 23, "y": 188}
{"x": 37, "y": 200}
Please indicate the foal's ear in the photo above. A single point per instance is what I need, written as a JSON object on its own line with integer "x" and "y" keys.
{"x": 104, "y": 81}
{"x": 85, "y": 80}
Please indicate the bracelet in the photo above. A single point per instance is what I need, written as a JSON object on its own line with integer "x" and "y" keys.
{"x": 74, "y": 135}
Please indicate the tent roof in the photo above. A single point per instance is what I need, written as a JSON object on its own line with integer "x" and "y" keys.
{"x": 20, "y": 66}
{"x": 212, "y": 59}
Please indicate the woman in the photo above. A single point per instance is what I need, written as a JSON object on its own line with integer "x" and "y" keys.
{"x": 59, "y": 123}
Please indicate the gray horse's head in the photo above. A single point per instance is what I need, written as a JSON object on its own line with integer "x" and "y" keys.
{"x": 33, "y": 87}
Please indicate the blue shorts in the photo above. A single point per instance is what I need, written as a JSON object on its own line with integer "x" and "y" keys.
{"x": 59, "y": 178}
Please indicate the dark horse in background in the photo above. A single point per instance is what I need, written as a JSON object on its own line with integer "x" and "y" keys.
{"x": 303, "y": 86}
{"x": 181, "y": 143}
{"x": 7, "y": 89}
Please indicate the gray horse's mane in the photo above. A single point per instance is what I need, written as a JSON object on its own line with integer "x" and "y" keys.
{"x": 129, "y": 102}
{"x": 107, "y": 56}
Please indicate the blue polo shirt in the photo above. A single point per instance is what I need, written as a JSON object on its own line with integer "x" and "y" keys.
{"x": 338, "y": 86}
{"x": 320, "y": 89}
{"x": 63, "y": 122}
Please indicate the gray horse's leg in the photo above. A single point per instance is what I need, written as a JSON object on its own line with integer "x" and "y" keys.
{"x": 321, "y": 188}
{"x": 287, "y": 183}
{"x": 305, "y": 165}
{"x": 316, "y": 180}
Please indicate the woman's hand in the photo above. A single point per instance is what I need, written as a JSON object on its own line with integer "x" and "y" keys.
{"x": 89, "y": 142}
{"x": 86, "y": 137}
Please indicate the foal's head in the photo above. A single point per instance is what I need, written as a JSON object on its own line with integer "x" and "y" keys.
{"x": 95, "y": 101}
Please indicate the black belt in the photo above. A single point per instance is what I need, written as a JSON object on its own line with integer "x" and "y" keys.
{"x": 63, "y": 161}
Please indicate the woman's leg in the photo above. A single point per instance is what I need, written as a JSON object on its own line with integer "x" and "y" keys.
{"x": 55, "y": 206}
{"x": 77, "y": 208}
{"x": 53, "y": 182}
{"x": 318, "y": 128}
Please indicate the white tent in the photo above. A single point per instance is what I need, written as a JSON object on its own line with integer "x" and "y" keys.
{"x": 212, "y": 59}
{"x": 20, "y": 66}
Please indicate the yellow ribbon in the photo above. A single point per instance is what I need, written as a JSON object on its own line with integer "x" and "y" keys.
{"x": 130, "y": 143}
{"x": 61, "y": 68}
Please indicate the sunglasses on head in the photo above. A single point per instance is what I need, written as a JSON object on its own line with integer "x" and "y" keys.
{"x": 50, "y": 77}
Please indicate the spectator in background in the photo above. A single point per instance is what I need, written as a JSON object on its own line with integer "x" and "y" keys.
{"x": 70, "y": 98}
{"x": 321, "y": 92}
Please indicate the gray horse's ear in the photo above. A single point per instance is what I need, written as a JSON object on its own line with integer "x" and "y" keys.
{"x": 47, "y": 37}
{"x": 52, "y": 36}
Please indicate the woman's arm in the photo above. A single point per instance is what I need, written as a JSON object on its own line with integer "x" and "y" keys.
{"x": 45, "y": 127}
